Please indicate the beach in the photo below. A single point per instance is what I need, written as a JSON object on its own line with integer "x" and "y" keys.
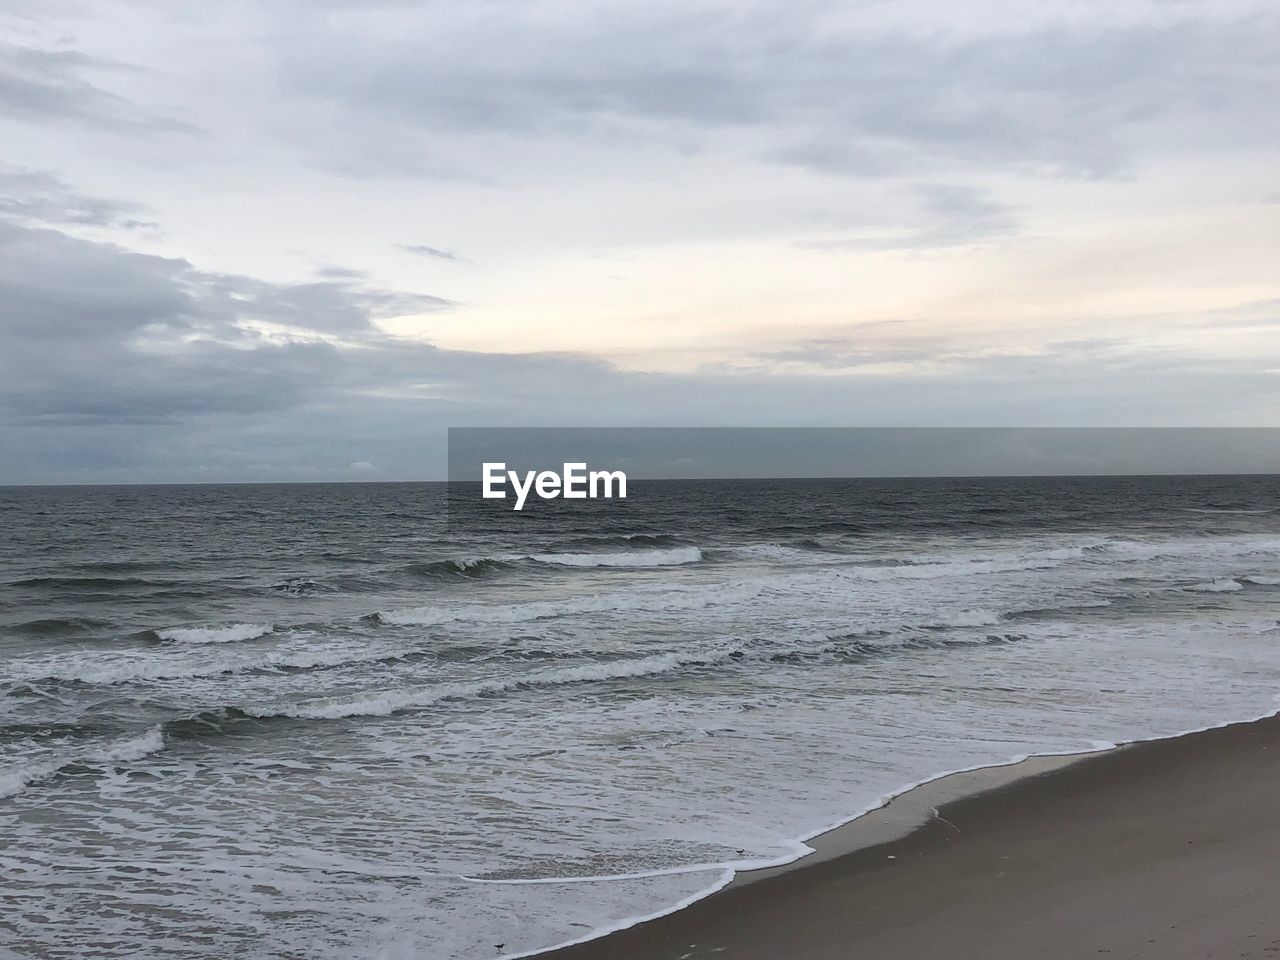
{"x": 1168, "y": 849}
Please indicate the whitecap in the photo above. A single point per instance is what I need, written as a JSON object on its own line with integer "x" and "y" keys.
{"x": 224, "y": 633}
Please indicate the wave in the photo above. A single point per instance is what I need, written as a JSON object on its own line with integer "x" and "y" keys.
{"x": 300, "y": 587}
{"x": 628, "y": 540}
{"x": 860, "y": 645}
{"x": 802, "y": 553}
{"x": 461, "y": 567}
{"x": 666, "y": 599}
{"x": 1229, "y": 511}
{"x": 52, "y": 626}
{"x": 90, "y": 583}
{"x": 1217, "y": 585}
{"x": 1261, "y": 581}
{"x": 227, "y": 633}
{"x": 816, "y": 578}
{"x": 130, "y": 667}
{"x": 649, "y": 540}
{"x": 383, "y": 703}
{"x": 125, "y": 566}
{"x": 121, "y": 751}
{"x": 966, "y": 566}
{"x": 1131, "y": 550}
{"x": 969, "y": 618}
{"x": 675, "y": 556}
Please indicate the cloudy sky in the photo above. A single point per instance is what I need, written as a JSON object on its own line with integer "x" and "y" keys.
{"x": 296, "y": 239}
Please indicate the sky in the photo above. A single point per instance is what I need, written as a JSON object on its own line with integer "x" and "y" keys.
{"x": 298, "y": 239}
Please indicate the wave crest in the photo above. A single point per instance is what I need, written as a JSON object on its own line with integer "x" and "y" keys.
{"x": 1217, "y": 585}
{"x": 459, "y": 567}
{"x": 224, "y": 633}
{"x": 675, "y": 556}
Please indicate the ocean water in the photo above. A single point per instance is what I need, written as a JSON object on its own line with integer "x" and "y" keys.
{"x": 311, "y": 721}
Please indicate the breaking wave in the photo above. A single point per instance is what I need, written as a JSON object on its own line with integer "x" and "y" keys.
{"x": 227, "y": 633}
{"x": 637, "y": 558}
{"x": 1217, "y": 585}
{"x": 460, "y": 567}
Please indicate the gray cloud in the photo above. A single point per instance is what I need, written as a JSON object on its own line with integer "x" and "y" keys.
{"x": 41, "y": 198}
{"x": 122, "y": 366}
{"x": 51, "y": 85}
{"x": 422, "y": 250}
{"x": 1063, "y": 100}
{"x": 97, "y": 333}
{"x": 331, "y": 271}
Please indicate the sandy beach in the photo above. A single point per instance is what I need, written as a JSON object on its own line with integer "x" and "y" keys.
{"x": 1168, "y": 850}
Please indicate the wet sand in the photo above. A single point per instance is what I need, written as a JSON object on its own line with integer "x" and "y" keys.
{"x": 1160, "y": 851}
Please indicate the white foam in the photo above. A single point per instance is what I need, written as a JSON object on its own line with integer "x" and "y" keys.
{"x": 968, "y": 566}
{"x": 181, "y": 664}
{"x": 972, "y": 618}
{"x": 1262, "y": 581}
{"x": 1217, "y": 585}
{"x": 225, "y": 633}
{"x": 663, "y": 599}
{"x": 801, "y": 844}
{"x": 794, "y": 556}
{"x": 1204, "y": 549}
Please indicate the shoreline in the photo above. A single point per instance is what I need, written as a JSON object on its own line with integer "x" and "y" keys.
{"x": 920, "y": 814}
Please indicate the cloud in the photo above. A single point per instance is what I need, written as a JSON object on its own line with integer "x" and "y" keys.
{"x": 42, "y": 86}
{"x": 947, "y": 215}
{"x": 95, "y": 332}
{"x": 124, "y": 366}
{"x": 659, "y": 174}
{"x": 39, "y": 197}
{"x": 422, "y": 250}
{"x": 1067, "y": 98}
{"x": 332, "y": 271}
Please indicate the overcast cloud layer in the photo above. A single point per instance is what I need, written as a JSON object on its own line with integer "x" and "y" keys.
{"x": 297, "y": 239}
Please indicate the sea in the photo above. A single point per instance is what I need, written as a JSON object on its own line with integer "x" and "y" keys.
{"x": 336, "y": 722}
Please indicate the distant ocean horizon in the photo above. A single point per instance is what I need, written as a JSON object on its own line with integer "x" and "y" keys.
{"x": 444, "y": 482}
{"x": 336, "y": 719}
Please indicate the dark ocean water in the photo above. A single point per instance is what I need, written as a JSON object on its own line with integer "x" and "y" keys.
{"x": 334, "y": 721}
